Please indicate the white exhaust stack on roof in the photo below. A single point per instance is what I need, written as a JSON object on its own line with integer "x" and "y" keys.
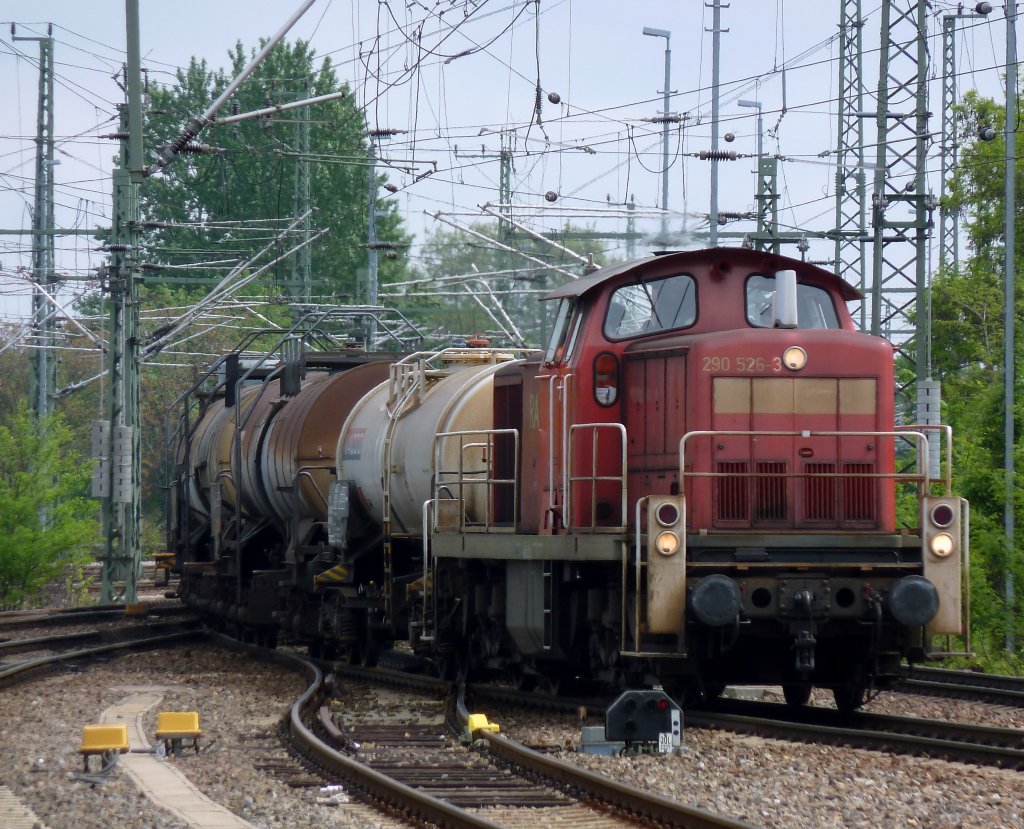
{"x": 785, "y": 312}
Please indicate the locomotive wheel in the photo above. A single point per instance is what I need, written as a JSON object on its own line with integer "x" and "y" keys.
{"x": 693, "y": 694}
{"x": 450, "y": 666}
{"x": 849, "y": 697}
{"x": 713, "y": 690}
{"x": 796, "y": 693}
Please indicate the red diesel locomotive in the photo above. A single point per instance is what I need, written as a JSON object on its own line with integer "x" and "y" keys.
{"x": 700, "y": 481}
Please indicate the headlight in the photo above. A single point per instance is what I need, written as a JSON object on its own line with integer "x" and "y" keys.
{"x": 667, "y": 543}
{"x": 667, "y": 514}
{"x": 941, "y": 545}
{"x": 794, "y": 358}
{"x": 942, "y": 515}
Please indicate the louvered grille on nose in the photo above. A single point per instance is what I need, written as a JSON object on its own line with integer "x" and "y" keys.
{"x": 732, "y": 502}
{"x": 770, "y": 485}
{"x": 820, "y": 493}
{"x": 859, "y": 493}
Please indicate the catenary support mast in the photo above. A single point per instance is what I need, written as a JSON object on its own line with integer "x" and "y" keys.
{"x": 122, "y": 504}
{"x": 43, "y": 376}
{"x": 851, "y": 189}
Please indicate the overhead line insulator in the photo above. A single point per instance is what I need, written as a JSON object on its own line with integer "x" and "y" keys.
{"x": 717, "y": 155}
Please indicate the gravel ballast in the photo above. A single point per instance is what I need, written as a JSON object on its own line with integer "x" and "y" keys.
{"x": 240, "y": 703}
{"x": 775, "y": 783}
{"x": 766, "y": 782}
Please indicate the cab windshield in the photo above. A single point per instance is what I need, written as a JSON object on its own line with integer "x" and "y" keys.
{"x": 814, "y": 305}
{"x": 651, "y": 307}
{"x": 563, "y": 333}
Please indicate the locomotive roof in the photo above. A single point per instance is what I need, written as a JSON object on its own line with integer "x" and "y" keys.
{"x": 755, "y": 259}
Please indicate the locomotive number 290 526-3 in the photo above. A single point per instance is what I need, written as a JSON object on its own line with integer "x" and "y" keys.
{"x": 749, "y": 364}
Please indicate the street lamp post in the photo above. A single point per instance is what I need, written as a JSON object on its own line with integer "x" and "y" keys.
{"x": 664, "y": 127}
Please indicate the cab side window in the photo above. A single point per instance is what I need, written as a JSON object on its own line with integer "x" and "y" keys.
{"x": 651, "y": 307}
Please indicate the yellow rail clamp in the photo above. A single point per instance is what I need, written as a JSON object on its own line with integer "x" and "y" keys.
{"x": 476, "y": 723}
{"x": 174, "y": 727}
{"x": 136, "y": 609}
{"x": 103, "y": 739}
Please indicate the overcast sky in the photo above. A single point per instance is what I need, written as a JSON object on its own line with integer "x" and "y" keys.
{"x": 473, "y": 72}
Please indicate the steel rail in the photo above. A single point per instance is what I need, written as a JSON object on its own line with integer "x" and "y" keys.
{"x": 997, "y": 689}
{"x": 62, "y": 618}
{"x": 965, "y": 742}
{"x": 22, "y": 668}
{"x": 647, "y": 805}
{"x": 12, "y": 646}
{"x": 79, "y": 615}
{"x": 378, "y": 785}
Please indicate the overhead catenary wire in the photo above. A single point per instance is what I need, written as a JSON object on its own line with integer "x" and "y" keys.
{"x": 523, "y": 123}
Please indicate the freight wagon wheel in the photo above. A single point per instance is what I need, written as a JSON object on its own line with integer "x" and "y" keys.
{"x": 365, "y": 653}
{"x": 523, "y": 679}
{"x": 552, "y": 685}
{"x": 322, "y": 649}
{"x": 796, "y": 693}
{"x": 365, "y": 650}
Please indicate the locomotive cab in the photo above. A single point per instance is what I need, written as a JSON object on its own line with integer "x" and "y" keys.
{"x": 721, "y": 409}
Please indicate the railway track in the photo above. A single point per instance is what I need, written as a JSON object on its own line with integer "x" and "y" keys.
{"x": 21, "y": 657}
{"x": 963, "y": 742}
{"x": 940, "y": 739}
{"x": 13, "y": 621}
{"x": 523, "y": 779}
{"x": 968, "y": 685}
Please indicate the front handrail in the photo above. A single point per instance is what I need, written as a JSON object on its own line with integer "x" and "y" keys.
{"x": 921, "y": 476}
{"x": 945, "y": 431}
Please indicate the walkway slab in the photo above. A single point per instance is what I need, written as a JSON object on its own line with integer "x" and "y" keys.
{"x": 14, "y": 814}
{"x": 161, "y": 782}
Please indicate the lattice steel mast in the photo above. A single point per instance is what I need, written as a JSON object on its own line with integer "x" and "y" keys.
{"x": 121, "y": 442}
{"x": 851, "y": 190}
{"x": 900, "y": 204}
{"x": 43, "y": 378}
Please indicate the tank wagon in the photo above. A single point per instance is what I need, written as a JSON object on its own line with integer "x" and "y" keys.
{"x": 701, "y": 480}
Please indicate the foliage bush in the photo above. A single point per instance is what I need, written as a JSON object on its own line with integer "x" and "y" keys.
{"x": 46, "y": 518}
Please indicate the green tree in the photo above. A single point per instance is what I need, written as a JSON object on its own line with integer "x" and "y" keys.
{"x": 967, "y": 332}
{"x": 46, "y": 520}
{"x": 445, "y": 303}
{"x": 14, "y": 372}
{"x": 249, "y": 178}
